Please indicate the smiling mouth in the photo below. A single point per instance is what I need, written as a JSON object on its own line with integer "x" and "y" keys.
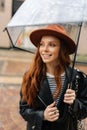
{"x": 46, "y": 55}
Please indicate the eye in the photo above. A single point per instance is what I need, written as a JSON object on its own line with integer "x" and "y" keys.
{"x": 41, "y": 44}
{"x": 52, "y": 44}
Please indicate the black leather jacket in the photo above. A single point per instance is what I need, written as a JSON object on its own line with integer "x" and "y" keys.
{"x": 34, "y": 116}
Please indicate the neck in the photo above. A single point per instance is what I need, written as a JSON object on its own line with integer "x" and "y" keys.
{"x": 51, "y": 69}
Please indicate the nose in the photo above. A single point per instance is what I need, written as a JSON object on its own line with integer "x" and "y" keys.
{"x": 45, "y": 47}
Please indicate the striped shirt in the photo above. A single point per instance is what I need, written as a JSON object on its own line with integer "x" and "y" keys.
{"x": 52, "y": 84}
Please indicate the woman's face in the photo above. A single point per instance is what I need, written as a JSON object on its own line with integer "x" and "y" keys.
{"x": 49, "y": 49}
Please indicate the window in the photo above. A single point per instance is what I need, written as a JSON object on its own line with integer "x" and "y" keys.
{"x": 16, "y": 5}
{"x": 2, "y": 5}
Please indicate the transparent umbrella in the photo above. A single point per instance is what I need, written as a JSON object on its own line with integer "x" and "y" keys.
{"x": 37, "y": 13}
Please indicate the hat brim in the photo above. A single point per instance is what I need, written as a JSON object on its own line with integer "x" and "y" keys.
{"x": 36, "y": 36}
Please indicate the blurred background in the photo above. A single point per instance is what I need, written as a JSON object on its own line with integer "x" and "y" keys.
{"x": 13, "y": 64}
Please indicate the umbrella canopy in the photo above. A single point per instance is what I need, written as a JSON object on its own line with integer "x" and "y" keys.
{"x": 36, "y": 12}
{"x": 43, "y": 12}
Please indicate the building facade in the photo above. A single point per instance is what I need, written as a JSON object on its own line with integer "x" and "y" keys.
{"x": 7, "y": 10}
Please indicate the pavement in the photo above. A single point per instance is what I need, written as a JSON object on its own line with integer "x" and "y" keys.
{"x": 13, "y": 64}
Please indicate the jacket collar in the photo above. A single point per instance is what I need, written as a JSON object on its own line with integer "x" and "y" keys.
{"x": 46, "y": 95}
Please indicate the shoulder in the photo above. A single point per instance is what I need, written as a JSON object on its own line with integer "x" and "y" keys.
{"x": 80, "y": 73}
{"x": 81, "y": 77}
{"x": 76, "y": 73}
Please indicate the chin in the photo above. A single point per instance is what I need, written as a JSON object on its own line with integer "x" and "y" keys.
{"x": 46, "y": 61}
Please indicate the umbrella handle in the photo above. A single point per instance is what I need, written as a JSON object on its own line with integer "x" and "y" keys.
{"x": 75, "y": 54}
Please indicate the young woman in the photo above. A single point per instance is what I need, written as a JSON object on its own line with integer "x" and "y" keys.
{"x": 46, "y": 99}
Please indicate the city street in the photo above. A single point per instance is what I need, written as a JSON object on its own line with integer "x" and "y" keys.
{"x": 13, "y": 64}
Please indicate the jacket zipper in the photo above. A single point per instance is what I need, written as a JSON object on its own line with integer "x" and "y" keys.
{"x": 42, "y": 101}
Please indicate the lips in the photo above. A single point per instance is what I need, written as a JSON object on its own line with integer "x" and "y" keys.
{"x": 46, "y": 56}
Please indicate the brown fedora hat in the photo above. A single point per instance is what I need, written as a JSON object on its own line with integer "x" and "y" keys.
{"x": 54, "y": 30}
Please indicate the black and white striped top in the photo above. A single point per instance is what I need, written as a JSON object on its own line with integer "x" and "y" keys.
{"x": 52, "y": 84}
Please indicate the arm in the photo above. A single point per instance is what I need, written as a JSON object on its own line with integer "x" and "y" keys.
{"x": 29, "y": 114}
{"x": 80, "y": 104}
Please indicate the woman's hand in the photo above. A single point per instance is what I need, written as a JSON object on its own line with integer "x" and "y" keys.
{"x": 51, "y": 113}
{"x": 69, "y": 96}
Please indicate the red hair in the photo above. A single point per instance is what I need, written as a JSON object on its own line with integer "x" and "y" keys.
{"x": 33, "y": 77}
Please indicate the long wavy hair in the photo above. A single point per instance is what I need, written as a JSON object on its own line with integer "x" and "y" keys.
{"x": 34, "y": 76}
